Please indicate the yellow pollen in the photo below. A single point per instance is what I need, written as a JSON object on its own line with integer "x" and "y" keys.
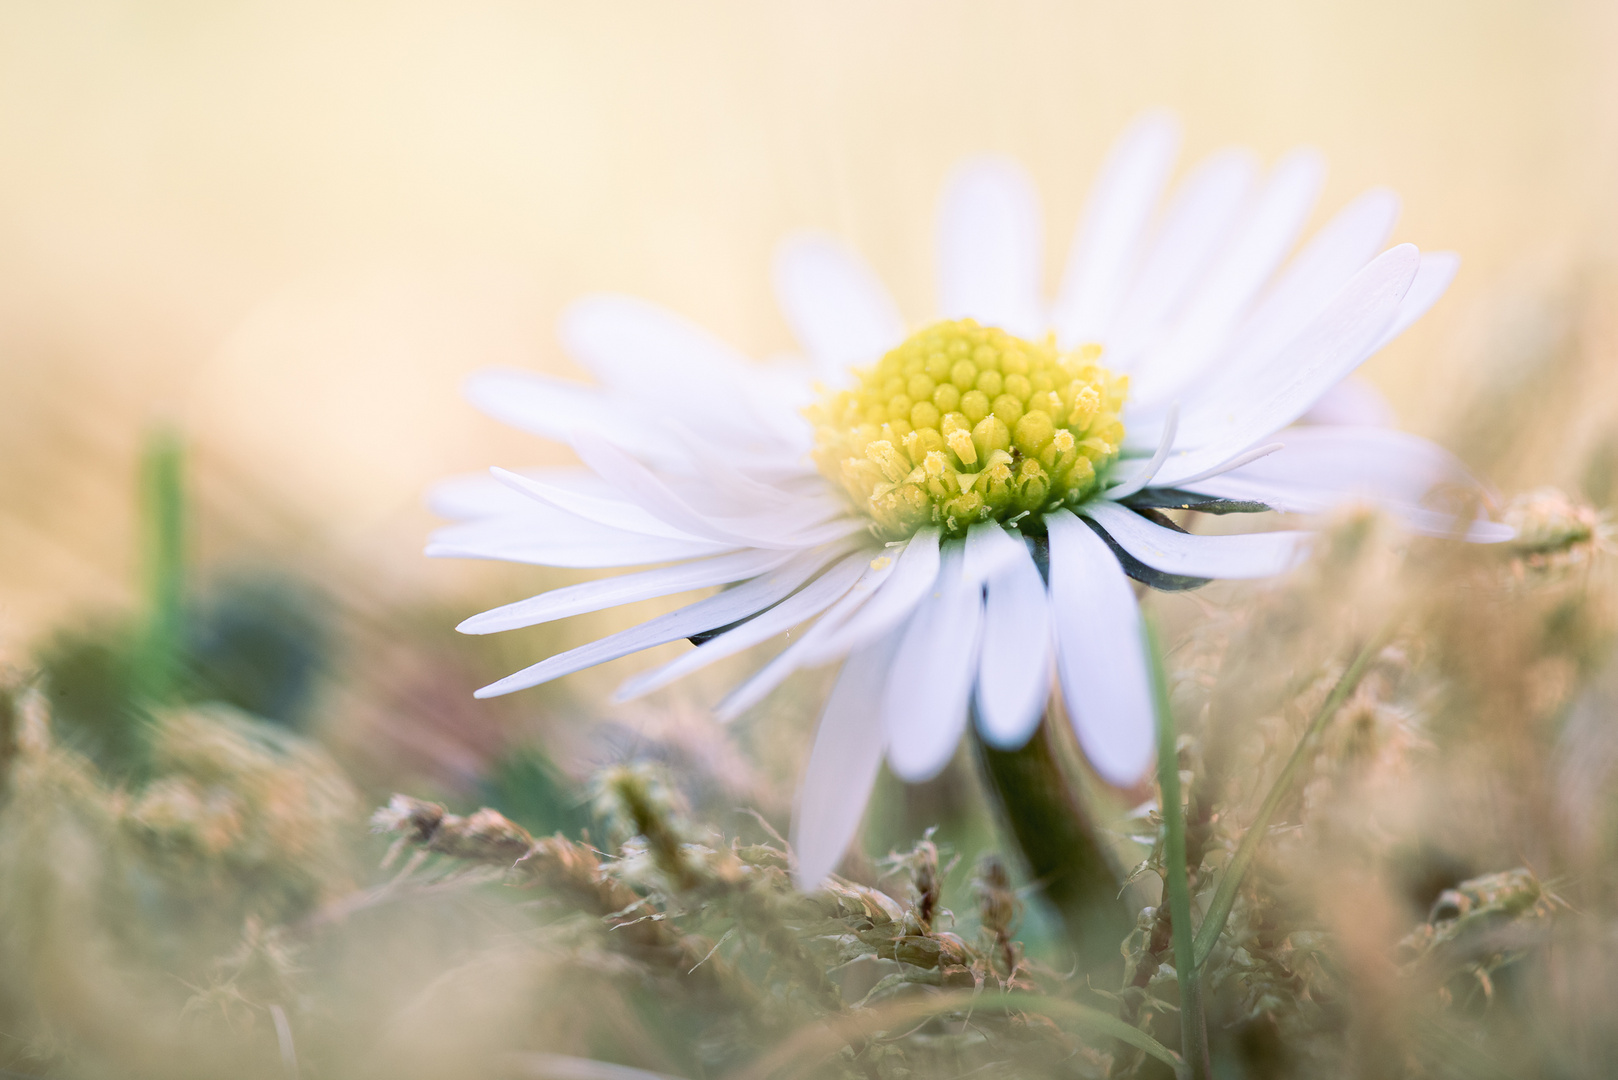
{"x": 965, "y": 423}
{"x": 881, "y": 562}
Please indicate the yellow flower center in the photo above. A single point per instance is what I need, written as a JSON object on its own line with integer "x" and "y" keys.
{"x": 965, "y": 423}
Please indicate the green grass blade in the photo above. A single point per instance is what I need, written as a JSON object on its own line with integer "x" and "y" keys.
{"x": 1193, "y": 1026}
{"x": 1225, "y": 895}
{"x": 163, "y": 539}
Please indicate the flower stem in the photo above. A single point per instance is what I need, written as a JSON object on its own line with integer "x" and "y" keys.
{"x": 1225, "y": 896}
{"x": 1193, "y": 1024}
{"x": 1041, "y": 810}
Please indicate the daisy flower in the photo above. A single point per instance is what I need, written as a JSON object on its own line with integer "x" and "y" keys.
{"x": 955, "y": 508}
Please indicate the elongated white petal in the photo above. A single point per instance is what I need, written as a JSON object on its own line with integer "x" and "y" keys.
{"x": 548, "y": 537}
{"x": 472, "y": 496}
{"x": 806, "y": 651}
{"x": 1259, "y": 244}
{"x": 1230, "y": 464}
{"x": 1323, "y": 467}
{"x": 1197, "y": 221}
{"x": 658, "y": 359}
{"x": 1354, "y": 402}
{"x": 1100, "y": 651}
{"x": 614, "y": 513}
{"x": 989, "y": 245}
{"x": 624, "y": 589}
{"x": 1220, "y": 427}
{"x": 801, "y": 606}
{"x": 883, "y": 598}
{"x": 791, "y": 528}
{"x": 746, "y": 599}
{"x": 1243, "y": 555}
{"x": 989, "y": 550}
{"x": 842, "y": 766}
{"x": 1438, "y": 269}
{"x": 555, "y": 408}
{"x": 1014, "y": 660}
{"x": 1143, "y": 473}
{"x": 1373, "y": 462}
{"x": 911, "y": 578}
{"x": 1332, "y": 257}
{"x": 924, "y": 704}
{"x": 1108, "y": 240}
{"x": 837, "y": 308}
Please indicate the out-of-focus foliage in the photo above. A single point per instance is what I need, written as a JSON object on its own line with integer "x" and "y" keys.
{"x": 1408, "y": 915}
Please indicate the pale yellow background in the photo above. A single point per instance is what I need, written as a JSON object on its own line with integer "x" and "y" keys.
{"x": 296, "y": 224}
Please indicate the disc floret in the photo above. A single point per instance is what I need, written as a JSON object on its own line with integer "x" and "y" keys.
{"x": 965, "y": 423}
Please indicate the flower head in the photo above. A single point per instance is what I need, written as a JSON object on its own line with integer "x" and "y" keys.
{"x": 963, "y": 423}
{"x": 957, "y": 510}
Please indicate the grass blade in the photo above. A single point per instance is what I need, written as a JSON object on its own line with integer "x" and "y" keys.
{"x": 1193, "y": 1025}
{"x": 1225, "y": 895}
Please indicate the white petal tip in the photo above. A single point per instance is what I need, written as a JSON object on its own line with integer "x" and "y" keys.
{"x": 1008, "y": 738}
{"x": 1490, "y": 532}
{"x": 1122, "y": 770}
{"x": 806, "y": 883}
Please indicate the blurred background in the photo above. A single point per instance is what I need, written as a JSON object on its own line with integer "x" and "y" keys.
{"x": 293, "y": 227}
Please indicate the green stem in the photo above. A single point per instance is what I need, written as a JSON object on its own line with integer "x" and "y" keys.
{"x": 1193, "y": 1025}
{"x": 1041, "y": 810}
{"x": 1225, "y": 896}
{"x": 163, "y": 527}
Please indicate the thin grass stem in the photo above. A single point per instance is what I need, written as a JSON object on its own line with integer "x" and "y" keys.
{"x": 1213, "y": 923}
{"x": 1193, "y": 1025}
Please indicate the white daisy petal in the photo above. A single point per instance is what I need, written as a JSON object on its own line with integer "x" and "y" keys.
{"x": 842, "y": 766}
{"x": 1370, "y": 461}
{"x": 1234, "y": 279}
{"x": 477, "y": 495}
{"x": 1229, "y": 464}
{"x": 1014, "y": 661}
{"x": 989, "y": 550}
{"x": 1242, "y": 555}
{"x": 555, "y": 408}
{"x": 801, "y": 606}
{"x": 989, "y": 248}
{"x": 1352, "y": 403}
{"x": 1324, "y": 467}
{"x": 1196, "y": 222}
{"x": 912, "y": 576}
{"x": 624, "y": 589}
{"x": 545, "y": 536}
{"x": 882, "y": 599}
{"x": 1108, "y": 240}
{"x": 784, "y": 529}
{"x": 1437, "y": 270}
{"x": 746, "y": 599}
{"x": 1143, "y": 474}
{"x": 837, "y": 308}
{"x": 1100, "y": 651}
{"x": 614, "y": 513}
{"x": 924, "y": 704}
{"x": 1332, "y": 257}
{"x": 801, "y": 653}
{"x": 663, "y": 362}
{"x": 1220, "y": 426}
